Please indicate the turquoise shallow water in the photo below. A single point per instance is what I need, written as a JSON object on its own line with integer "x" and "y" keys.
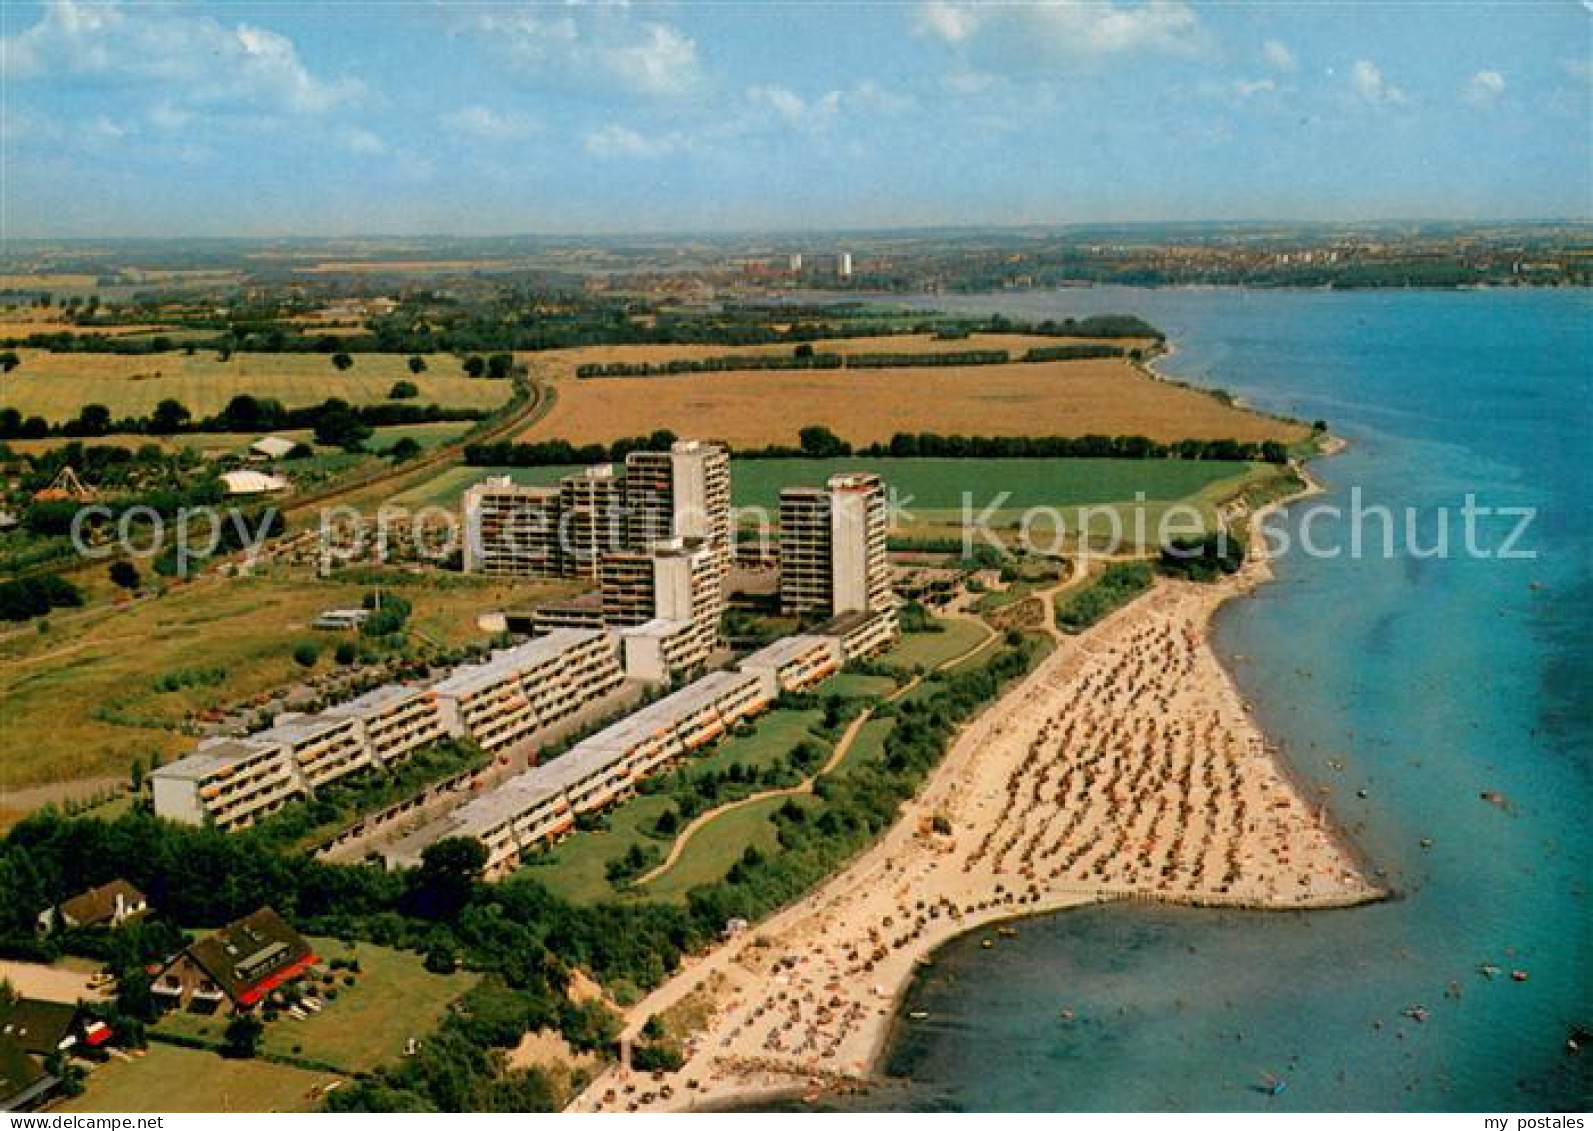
{"x": 1429, "y": 681}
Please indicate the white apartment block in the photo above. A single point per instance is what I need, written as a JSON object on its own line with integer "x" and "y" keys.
{"x": 797, "y": 663}
{"x": 511, "y": 530}
{"x": 398, "y": 720}
{"x": 233, "y": 782}
{"x": 520, "y": 690}
{"x": 833, "y": 547}
{"x": 541, "y": 803}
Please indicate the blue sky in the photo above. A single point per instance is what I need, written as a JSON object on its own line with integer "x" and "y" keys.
{"x": 434, "y": 117}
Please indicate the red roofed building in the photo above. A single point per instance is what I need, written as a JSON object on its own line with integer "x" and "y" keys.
{"x": 235, "y": 968}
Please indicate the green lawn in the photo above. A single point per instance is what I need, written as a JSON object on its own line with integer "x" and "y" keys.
{"x": 936, "y": 486}
{"x": 716, "y": 846}
{"x": 168, "y": 1078}
{"x": 392, "y": 998}
{"x": 867, "y": 746}
{"x": 853, "y": 685}
{"x": 577, "y": 868}
{"x": 932, "y": 649}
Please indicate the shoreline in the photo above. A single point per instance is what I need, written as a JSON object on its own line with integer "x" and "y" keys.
{"x": 801, "y": 979}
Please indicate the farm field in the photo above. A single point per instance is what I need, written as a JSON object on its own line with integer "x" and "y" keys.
{"x": 107, "y": 665}
{"x": 169, "y": 1078}
{"x": 235, "y": 443}
{"x": 392, "y": 998}
{"x": 561, "y": 364}
{"x": 754, "y": 408}
{"x": 57, "y": 385}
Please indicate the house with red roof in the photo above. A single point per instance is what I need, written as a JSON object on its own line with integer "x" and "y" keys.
{"x": 236, "y": 968}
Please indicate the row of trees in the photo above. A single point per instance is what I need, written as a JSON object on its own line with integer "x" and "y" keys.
{"x": 805, "y": 358}
{"x": 818, "y": 442}
{"x": 244, "y": 413}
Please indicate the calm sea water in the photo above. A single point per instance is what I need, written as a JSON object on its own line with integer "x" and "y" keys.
{"x": 1429, "y": 681}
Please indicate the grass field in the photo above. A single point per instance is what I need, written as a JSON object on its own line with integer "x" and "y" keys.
{"x": 576, "y": 868}
{"x": 716, "y": 847}
{"x": 850, "y": 685}
{"x": 168, "y": 1078}
{"x": 104, "y": 666}
{"x": 929, "y": 492}
{"x": 57, "y": 385}
{"x": 934, "y": 648}
{"x": 868, "y": 746}
{"x": 393, "y": 997}
{"x": 753, "y": 408}
{"x": 234, "y": 443}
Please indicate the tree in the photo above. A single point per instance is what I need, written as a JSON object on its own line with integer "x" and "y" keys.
{"x": 474, "y": 366}
{"x": 449, "y": 868}
{"x": 242, "y": 1037}
{"x": 818, "y": 442}
{"x": 337, "y": 425}
{"x": 169, "y": 416}
{"x": 405, "y": 448}
{"x": 500, "y": 365}
{"x": 342, "y": 361}
{"x": 93, "y": 420}
{"x": 9, "y": 361}
{"x": 306, "y": 655}
{"x": 135, "y": 776}
{"x": 403, "y": 391}
{"x": 346, "y": 653}
{"x": 125, "y": 574}
{"x": 417, "y": 365}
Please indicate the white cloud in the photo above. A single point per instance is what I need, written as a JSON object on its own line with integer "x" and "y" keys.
{"x": 951, "y": 22}
{"x": 1078, "y": 30}
{"x": 362, "y": 141}
{"x": 1250, "y": 88}
{"x": 1278, "y": 56}
{"x": 615, "y": 141}
{"x": 1484, "y": 88}
{"x": 794, "y": 110}
{"x": 487, "y": 124}
{"x": 196, "y": 57}
{"x": 599, "y": 43}
{"x": 1368, "y": 82}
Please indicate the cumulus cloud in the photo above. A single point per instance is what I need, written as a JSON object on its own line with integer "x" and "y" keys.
{"x": 1484, "y": 88}
{"x": 362, "y": 141}
{"x": 1064, "y": 30}
{"x": 1367, "y": 80}
{"x": 486, "y": 124}
{"x": 616, "y": 141}
{"x": 1250, "y": 88}
{"x": 1278, "y": 55}
{"x": 196, "y": 57}
{"x": 602, "y": 44}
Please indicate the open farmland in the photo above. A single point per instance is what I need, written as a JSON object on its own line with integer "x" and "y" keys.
{"x": 754, "y": 408}
{"x": 106, "y": 667}
{"x": 57, "y": 385}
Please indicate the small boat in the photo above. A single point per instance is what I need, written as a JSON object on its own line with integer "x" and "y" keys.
{"x": 1067, "y": 1015}
{"x": 1272, "y": 1085}
{"x": 1418, "y": 1013}
{"x": 1489, "y": 970}
{"x": 987, "y": 943}
{"x": 918, "y": 1015}
{"x": 1426, "y": 842}
{"x": 1518, "y": 975}
{"x": 1007, "y": 932}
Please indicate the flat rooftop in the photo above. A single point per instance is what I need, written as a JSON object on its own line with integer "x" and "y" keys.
{"x": 508, "y": 662}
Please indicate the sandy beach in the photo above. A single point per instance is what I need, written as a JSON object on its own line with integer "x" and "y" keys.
{"x": 1125, "y": 766}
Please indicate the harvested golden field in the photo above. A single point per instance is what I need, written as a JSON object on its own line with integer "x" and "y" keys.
{"x": 555, "y": 364}
{"x": 57, "y": 385}
{"x": 756, "y": 408}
